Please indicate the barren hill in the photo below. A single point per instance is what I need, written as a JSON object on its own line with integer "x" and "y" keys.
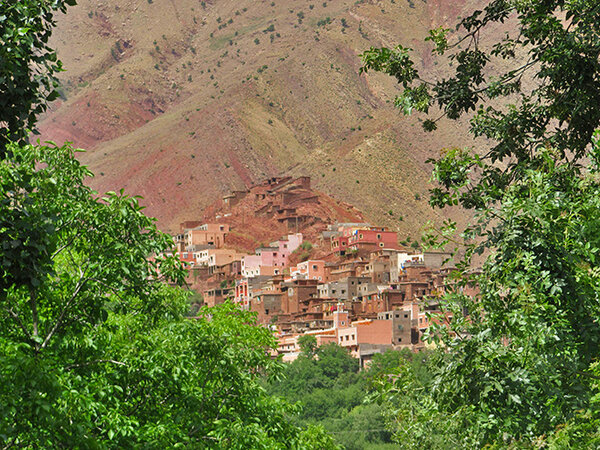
{"x": 182, "y": 101}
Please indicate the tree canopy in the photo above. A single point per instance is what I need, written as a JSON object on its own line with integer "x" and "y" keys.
{"x": 28, "y": 65}
{"x": 95, "y": 347}
{"x": 516, "y": 364}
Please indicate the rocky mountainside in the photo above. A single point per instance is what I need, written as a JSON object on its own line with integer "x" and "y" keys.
{"x": 182, "y": 101}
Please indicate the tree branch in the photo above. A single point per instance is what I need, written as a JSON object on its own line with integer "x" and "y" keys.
{"x": 78, "y": 288}
{"x": 15, "y": 316}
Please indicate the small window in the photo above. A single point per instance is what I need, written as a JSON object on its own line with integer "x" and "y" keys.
{"x": 381, "y": 244}
{"x": 399, "y": 339}
{"x": 378, "y": 236}
{"x": 314, "y": 267}
{"x": 406, "y": 316}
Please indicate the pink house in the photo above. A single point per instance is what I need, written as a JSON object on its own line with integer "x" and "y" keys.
{"x": 272, "y": 259}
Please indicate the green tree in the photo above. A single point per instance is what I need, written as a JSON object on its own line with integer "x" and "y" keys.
{"x": 518, "y": 364}
{"x": 308, "y": 345}
{"x": 96, "y": 349}
{"x": 27, "y": 65}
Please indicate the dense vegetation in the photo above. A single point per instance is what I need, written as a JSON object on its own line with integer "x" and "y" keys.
{"x": 333, "y": 393}
{"x": 517, "y": 365}
{"x": 96, "y": 349}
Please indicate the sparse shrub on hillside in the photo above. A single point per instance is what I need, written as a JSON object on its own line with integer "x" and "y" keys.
{"x": 114, "y": 54}
{"x": 324, "y": 4}
{"x": 269, "y": 29}
{"x": 311, "y": 7}
{"x": 344, "y": 23}
{"x": 362, "y": 32}
{"x": 323, "y": 22}
{"x": 300, "y": 16}
{"x": 257, "y": 41}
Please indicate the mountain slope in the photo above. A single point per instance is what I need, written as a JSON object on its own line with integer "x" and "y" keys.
{"x": 182, "y": 101}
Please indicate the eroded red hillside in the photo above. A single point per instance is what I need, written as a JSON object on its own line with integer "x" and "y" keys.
{"x": 274, "y": 208}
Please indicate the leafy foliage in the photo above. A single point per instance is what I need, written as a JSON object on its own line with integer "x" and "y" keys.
{"x": 516, "y": 362}
{"x": 29, "y": 65}
{"x": 559, "y": 111}
{"x": 95, "y": 348}
{"x": 333, "y": 394}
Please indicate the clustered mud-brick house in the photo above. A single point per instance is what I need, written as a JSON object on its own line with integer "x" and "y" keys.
{"x": 367, "y": 293}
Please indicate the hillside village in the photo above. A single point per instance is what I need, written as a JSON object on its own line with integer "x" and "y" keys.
{"x": 350, "y": 283}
